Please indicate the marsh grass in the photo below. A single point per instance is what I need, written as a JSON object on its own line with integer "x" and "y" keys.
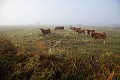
{"x": 75, "y": 57}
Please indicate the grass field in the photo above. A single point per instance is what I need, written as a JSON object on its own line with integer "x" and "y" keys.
{"x": 62, "y": 55}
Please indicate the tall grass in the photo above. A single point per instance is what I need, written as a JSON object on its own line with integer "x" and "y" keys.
{"x": 33, "y": 57}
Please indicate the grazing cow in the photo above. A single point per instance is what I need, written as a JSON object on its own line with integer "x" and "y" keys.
{"x": 89, "y": 32}
{"x": 82, "y": 31}
{"x": 59, "y": 28}
{"x": 95, "y": 35}
{"x": 47, "y": 31}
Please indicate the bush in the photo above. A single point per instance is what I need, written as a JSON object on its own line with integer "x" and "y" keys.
{"x": 8, "y": 57}
{"x": 6, "y": 46}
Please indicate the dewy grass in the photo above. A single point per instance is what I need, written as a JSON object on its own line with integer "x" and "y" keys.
{"x": 59, "y": 56}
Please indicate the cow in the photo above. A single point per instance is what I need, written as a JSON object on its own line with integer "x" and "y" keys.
{"x": 59, "y": 28}
{"x": 82, "y": 31}
{"x": 72, "y": 28}
{"x": 76, "y": 29}
{"x": 89, "y": 32}
{"x": 47, "y": 31}
{"x": 95, "y": 35}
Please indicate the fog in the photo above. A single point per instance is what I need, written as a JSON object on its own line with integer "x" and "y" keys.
{"x": 59, "y": 12}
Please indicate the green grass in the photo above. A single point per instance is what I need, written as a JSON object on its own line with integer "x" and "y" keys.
{"x": 62, "y": 55}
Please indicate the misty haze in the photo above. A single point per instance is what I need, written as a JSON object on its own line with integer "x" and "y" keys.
{"x": 60, "y": 12}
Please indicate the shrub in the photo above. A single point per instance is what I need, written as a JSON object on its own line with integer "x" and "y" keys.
{"x": 6, "y": 46}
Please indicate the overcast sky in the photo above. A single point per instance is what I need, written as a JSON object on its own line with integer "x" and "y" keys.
{"x": 86, "y": 12}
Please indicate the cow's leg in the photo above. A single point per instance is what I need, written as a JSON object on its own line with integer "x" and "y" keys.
{"x": 84, "y": 33}
{"x": 104, "y": 41}
{"x": 94, "y": 40}
{"x": 87, "y": 35}
{"x": 44, "y": 34}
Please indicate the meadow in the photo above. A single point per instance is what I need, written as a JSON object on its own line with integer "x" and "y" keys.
{"x": 25, "y": 54}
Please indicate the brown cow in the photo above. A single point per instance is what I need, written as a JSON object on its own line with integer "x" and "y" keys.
{"x": 89, "y": 32}
{"x": 95, "y": 35}
{"x": 47, "y": 31}
{"x": 82, "y": 31}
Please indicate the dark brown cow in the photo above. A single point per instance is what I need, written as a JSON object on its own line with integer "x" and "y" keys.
{"x": 82, "y": 31}
{"x": 95, "y": 35}
{"x": 59, "y": 28}
{"x": 89, "y": 32}
{"x": 73, "y": 28}
{"x": 47, "y": 31}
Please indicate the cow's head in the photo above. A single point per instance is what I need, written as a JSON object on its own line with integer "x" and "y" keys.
{"x": 41, "y": 29}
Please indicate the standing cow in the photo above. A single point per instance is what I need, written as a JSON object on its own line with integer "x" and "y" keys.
{"x": 72, "y": 28}
{"x": 82, "y": 31}
{"x": 47, "y": 31}
{"x": 95, "y": 35}
{"x": 59, "y": 28}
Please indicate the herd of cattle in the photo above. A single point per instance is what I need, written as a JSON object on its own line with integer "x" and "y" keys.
{"x": 92, "y": 33}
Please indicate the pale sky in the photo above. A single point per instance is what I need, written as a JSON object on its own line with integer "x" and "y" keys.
{"x": 70, "y": 12}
